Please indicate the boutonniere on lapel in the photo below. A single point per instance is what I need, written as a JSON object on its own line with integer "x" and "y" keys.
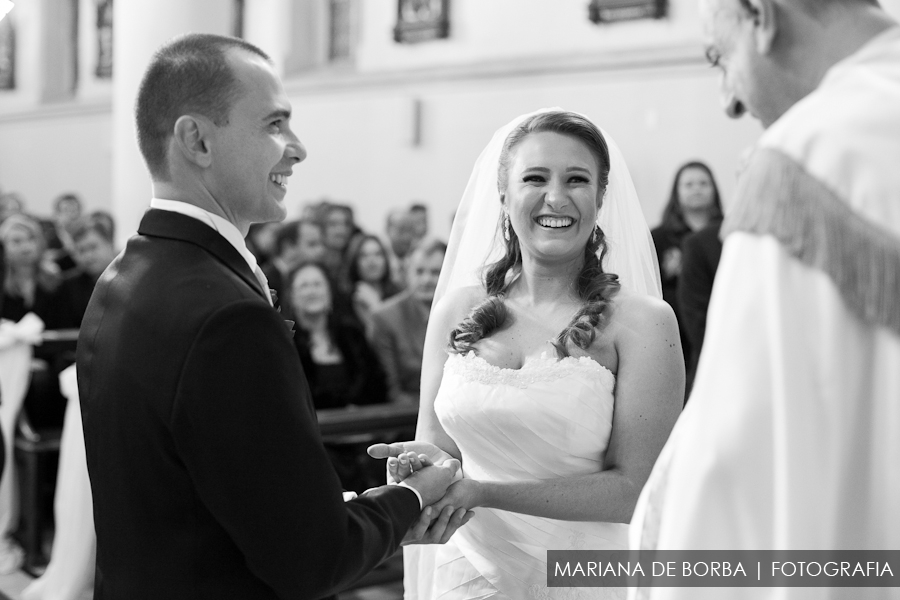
{"x": 287, "y": 322}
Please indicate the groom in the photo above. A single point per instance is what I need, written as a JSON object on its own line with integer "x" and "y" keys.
{"x": 208, "y": 474}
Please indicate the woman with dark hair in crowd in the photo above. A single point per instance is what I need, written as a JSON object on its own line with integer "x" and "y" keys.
{"x": 339, "y": 364}
{"x": 694, "y": 203}
{"x": 369, "y": 276}
{"x": 338, "y": 229}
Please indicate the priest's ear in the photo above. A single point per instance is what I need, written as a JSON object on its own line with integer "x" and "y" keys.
{"x": 764, "y": 16}
{"x": 191, "y": 139}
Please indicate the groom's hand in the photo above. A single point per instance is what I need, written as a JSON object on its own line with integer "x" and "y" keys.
{"x": 428, "y": 530}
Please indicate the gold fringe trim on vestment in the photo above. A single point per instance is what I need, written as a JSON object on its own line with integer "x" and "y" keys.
{"x": 777, "y": 197}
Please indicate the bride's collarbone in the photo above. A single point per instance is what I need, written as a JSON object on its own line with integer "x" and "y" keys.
{"x": 525, "y": 340}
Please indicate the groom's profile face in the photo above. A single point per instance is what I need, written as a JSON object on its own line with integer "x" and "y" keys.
{"x": 255, "y": 150}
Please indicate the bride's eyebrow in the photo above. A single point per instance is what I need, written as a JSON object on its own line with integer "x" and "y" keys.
{"x": 578, "y": 170}
{"x": 539, "y": 169}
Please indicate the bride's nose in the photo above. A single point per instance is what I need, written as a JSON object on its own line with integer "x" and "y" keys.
{"x": 556, "y": 196}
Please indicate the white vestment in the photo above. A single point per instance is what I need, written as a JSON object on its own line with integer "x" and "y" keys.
{"x": 791, "y": 437}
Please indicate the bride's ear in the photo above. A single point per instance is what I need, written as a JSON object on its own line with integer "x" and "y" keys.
{"x": 601, "y": 194}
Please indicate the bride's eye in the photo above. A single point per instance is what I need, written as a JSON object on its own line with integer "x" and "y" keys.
{"x": 578, "y": 179}
{"x": 533, "y": 179}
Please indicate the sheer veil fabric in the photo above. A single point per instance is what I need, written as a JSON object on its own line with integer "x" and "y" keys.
{"x": 475, "y": 235}
{"x": 475, "y": 241}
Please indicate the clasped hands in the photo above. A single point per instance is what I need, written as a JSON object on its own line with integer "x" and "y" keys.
{"x": 436, "y": 475}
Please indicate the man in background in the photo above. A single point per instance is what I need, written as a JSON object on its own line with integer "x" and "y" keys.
{"x": 60, "y": 246}
{"x": 296, "y": 242}
{"x": 401, "y": 231}
{"x": 790, "y": 439}
{"x": 419, "y": 214}
{"x": 93, "y": 238}
{"x": 398, "y": 328}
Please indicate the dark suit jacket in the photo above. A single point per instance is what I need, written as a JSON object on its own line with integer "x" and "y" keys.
{"x": 207, "y": 469}
{"x": 398, "y": 338}
{"x": 700, "y": 260}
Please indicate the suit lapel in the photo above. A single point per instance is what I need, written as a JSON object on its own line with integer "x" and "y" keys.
{"x": 176, "y": 226}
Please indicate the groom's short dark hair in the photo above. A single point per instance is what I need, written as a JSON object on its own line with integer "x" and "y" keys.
{"x": 190, "y": 74}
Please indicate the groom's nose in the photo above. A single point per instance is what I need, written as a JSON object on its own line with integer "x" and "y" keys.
{"x": 294, "y": 150}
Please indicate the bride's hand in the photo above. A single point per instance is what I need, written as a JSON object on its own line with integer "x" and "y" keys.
{"x": 405, "y": 465}
{"x": 424, "y": 451}
{"x": 464, "y": 494}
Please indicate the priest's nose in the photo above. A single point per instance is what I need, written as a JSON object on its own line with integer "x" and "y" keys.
{"x": 734, "y": 108}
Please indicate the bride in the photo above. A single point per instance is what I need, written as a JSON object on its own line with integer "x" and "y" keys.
{"x": 556, "y": 378}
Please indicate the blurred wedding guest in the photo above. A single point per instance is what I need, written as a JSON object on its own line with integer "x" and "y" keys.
{"x": 30, "y": 286}
{"x": 106, "y": 219}
{"x": 338, "y": 229}
{"x": 398, "y": 329}
{"x": 700, "y": 260}
{"x": 419, "y": 213}
{"x": 401, "y": 233}
{"x": 296, "y": 242}
{"x": 261, "y": 241}
{"x": 30, "y": 282}
{"x": 340, "y": 366}
{"x": 10, "y": 204}
{"x": 693, "y": 203}
{"x": 369, "y": 275}
{"x": 67, "y": 209}
{"x": 93, "y": 237}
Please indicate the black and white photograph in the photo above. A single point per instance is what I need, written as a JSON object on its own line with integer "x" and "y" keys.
{"x": 449, "y": 299}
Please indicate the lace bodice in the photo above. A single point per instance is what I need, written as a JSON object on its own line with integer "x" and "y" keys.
{"x": 472, "y": 367}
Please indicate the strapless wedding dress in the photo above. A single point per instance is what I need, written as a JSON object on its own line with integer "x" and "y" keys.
{"x": 551, "y": 418}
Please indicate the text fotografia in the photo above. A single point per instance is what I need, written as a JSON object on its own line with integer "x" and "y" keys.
{"x": 723, "y": 568}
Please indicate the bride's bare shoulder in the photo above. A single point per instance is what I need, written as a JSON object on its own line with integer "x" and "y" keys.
{"x": 456, "y": 304}
{"x": 638, "y": 316}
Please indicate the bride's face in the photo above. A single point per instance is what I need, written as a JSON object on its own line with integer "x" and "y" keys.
{"x": 552, "y": 195}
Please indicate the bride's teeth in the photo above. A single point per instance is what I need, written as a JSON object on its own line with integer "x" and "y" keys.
{"x": 554, "y": 223}
{"x": 279, "y": 179}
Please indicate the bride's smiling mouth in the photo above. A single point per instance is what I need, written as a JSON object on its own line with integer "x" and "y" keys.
{"x": 548, "y": 222}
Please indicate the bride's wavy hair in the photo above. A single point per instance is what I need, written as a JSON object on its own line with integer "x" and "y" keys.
{"x": 595, "y": 287}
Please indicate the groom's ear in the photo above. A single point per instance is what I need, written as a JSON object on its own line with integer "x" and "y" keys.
{"x": 191, "y": 139}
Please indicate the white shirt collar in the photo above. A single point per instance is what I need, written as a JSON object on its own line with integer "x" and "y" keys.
{"x": 225, "y": 228}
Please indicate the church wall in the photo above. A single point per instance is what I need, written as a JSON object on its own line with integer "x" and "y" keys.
{"x": 660, "y": 119}
{"x": 646, "y": 82}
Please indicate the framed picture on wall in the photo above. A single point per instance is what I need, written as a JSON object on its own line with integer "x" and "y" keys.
{"x": 7, "y": 54}
{"x": 609, "y": 11}
{"x": 422, "y": 20}
{"x": 104, "y": 68}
